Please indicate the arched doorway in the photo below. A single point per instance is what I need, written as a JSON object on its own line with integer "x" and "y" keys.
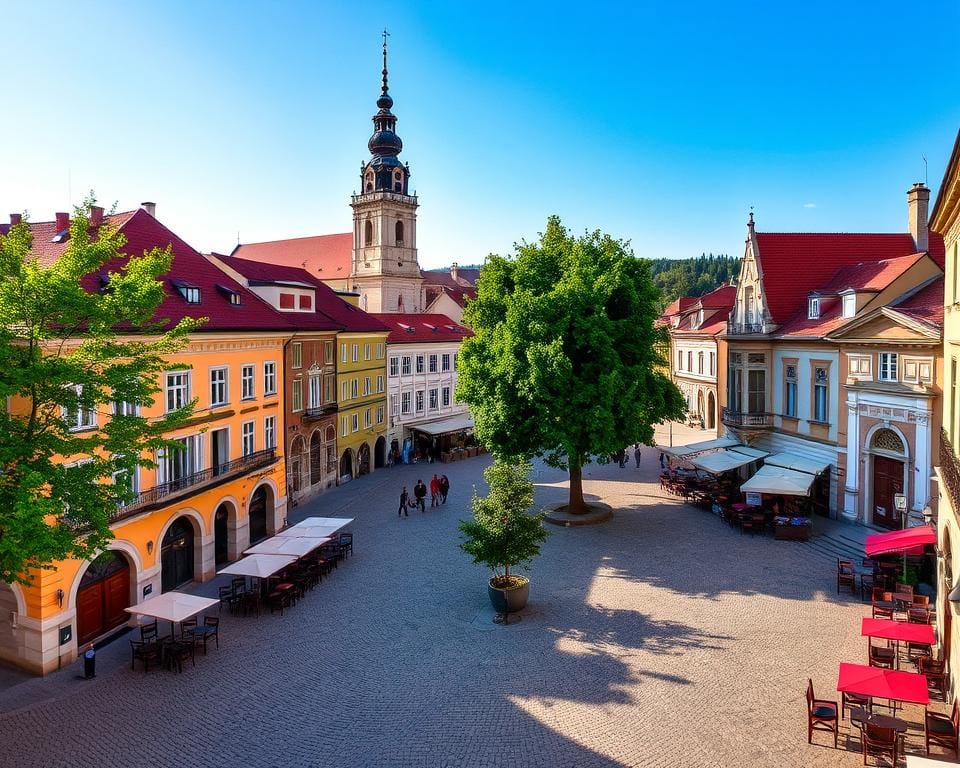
{"x": 221, "y": 518}
{"x": 258, "y": 515}
{"x": 363, "y": 460}
{"x": 346, "y": 466}
{"x": 380, "y": 453}
{"x": 295, "y": 462}
{"x": 889, "y": 454}
{"x": 103, "y": 594}
{"x": 176, "y": 555}
{"x": 701, "y": 411}
{"x": 316, "y": 458}
{"x": 711, "y": 411}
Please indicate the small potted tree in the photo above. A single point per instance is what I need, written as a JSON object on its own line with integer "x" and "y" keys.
{"x": 503, "y": 534}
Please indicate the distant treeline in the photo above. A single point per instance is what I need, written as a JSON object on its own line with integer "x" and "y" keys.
{"x": 693, "y": 277}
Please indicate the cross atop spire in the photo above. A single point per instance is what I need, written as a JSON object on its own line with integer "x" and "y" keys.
{"x": 386, "y": 34}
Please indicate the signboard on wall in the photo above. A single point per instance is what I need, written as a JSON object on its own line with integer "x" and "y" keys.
{"x": 66, "y": 634}
{"x": 754, "y": 499}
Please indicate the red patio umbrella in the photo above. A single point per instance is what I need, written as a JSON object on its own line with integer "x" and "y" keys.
{"x": 897, "y": 630}
{"x": 909, "y": 541}
{"x": 883, "y": 683}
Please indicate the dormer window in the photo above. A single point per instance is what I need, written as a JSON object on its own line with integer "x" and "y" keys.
{"x": 699, "y": 318}
{"x": 813, "y": 308}
{"x": 229, "y": 294}
{"x": 190, "y": 293}
{"x": 849, "y": 304}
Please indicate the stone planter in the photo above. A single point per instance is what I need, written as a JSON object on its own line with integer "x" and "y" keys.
{"x": 510, "y": 599}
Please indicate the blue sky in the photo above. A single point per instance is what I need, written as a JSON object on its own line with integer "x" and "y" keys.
{"x": 661, "y": 123}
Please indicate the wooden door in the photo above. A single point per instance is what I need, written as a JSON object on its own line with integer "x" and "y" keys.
{"x": 89, "y": 612}
{"x": 116, "y": 597}
{"x": 887, "y": 481}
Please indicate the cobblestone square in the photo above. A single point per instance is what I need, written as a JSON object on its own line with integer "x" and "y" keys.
{"x": 662, "y": 638}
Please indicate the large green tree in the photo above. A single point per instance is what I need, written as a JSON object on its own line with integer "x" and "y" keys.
{"x": 71, "y": 347}
{"x": 564, "y": 361}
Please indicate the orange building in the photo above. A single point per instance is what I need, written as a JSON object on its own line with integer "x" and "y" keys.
{"x": 202, "y": 506}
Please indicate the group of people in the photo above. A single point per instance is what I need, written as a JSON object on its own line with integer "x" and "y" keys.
{"x": 621, "y": 456}
{"x": 439, "y": 488}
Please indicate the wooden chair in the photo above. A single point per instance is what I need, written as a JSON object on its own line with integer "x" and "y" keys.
{"x": 878, "y": 742}
{"x": 821, "y": 715}
{"x": 176, "y": 653}
{"x": 146, "y": 653}
{"x": 882, "y": 611}
{"x": 881, "y": 656}
{"x": 346, "y": 544}
{"x": 846, "y": 576}
{"x": 867, "y": 585}
{"x": 936, "y": 674}
{"x": 853, "y": 700}
{"x": 186, "y": 628}
{"x": 148, "y": 632}
{"x": 943, "y": 731}
{"x": 903, "y": 589}
{"x": 227, "y": 597}
{"x": 921, "y": 601}
{"x": 918, "y": 615}
{"x": 210, "y": 628}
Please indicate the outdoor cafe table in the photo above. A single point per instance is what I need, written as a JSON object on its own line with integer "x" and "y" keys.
{"x": 883, "y": 683}
{"x": 298, "y": 546}
{"x": 259, "y": 566}
{"x": 172, "y": 606}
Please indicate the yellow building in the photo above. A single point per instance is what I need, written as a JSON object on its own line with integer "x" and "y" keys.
{"x": 361, "y": 385}
{"x": 945, "y": 219}
{"x": 201, "y": 506}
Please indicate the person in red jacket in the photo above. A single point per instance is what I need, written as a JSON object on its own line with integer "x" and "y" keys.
{"x": 435, "y": 492}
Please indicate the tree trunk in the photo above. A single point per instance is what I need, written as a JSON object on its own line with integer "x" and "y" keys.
{"x": 576, "y": 505}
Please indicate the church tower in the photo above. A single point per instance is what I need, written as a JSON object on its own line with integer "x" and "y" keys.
{"x": 385, "y": 270}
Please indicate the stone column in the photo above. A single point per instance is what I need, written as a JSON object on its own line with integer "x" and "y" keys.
{"x": 922, "y": 463}
{"x": 851, "y": 489}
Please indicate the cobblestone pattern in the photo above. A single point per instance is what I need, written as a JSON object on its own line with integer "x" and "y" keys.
{"x": 662, "y": 638}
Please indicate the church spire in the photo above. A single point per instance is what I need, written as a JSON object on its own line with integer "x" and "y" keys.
{"x": 384, "y": 172}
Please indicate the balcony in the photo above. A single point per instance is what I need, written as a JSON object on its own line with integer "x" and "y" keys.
{"x": 949, "y": 469}
{"x": 744, "y": 329}
{"x": 319, "y": 411}
{"x": 738, "y": 420}
{"x": 208, "y": 478}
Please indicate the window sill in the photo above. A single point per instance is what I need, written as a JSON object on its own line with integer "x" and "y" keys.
{"x": 269, "y": 394}
{"x": 794, "y": 419}
{"x": 76, "y": 430}
{"x": 217, "y": 405}
{"x": 248, "y": 399}
{"x": 818, "y": 423}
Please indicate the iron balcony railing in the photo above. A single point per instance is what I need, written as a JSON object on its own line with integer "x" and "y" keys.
{"x": 162, "y": 493}
{"x": 755, "y": 420}
{"x": 949, "y": 469}
{"x": 317, "y": 411}
{"x": 743, "y": 329}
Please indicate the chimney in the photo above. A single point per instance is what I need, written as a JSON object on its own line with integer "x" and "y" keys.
{"x": 15, "y": 218}
{"x": 150, "y": 208}
{"x": 453, "y": 271}
{"x": 63, "y": 222}
{"x": 918, "y": 203}
{"x": 96, "y": 216}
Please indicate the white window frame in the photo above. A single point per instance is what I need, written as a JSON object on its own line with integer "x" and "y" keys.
{"x": 248, "y": 381}
{"x": 445, "y": 396}
{"x": 296, "y": 395}
{"x": 405, "y": 403}
{"x": 355, "y": 422}
{"x": 380, "y": 351}
{"x": 356, "y": 353}
{"x": 380, "y": 383}
{"x": 432, "y": 363}
{"x": 419, "y": 400}
{"x": 366, "y": 385}
{"x": 394, "y": 366}
{"x": 405, "y": 367}
{"x": 343, "y": 353}
{"x": 269, "y": 432}
{"x": 433, "y": 400}
{"x": 224, "y": 385}
{"x": 82, "y": 418}
{"x": 248, "y": 438}
{"x": 354, "y": 388}
{"x": 379, "y": 414}
{"x": 270, "y": 378}
{"x": 297, "y": 354}
{"x": 182, "y": 386}
{"x": 849, "y": 308}
{"x": 420, "y": 364}
{"x": 394, "y": 404}
{"x": 813, "y": 308}
{"x": 887, "y": 367}
{"x": 367, "y": 418}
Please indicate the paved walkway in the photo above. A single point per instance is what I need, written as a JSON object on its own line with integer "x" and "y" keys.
{"x": 663, "y": 638}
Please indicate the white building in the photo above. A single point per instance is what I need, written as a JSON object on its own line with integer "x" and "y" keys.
{"x": 421, "y": 379}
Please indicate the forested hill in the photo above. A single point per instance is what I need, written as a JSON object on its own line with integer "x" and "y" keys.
{"x": 693, "y": 277}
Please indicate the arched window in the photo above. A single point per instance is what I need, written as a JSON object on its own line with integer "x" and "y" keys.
{"x": 368, "y": 182}
{"x": 398, "y": 181}
{"x": 368, "y": 233}
{"x": 399, "y": 231}
{"x": 888, "y": 440}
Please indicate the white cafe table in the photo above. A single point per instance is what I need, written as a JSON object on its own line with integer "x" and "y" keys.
{"x": 172, "y": 606}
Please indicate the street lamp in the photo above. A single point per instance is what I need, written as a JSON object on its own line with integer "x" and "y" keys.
{"x": 900, "y": 505}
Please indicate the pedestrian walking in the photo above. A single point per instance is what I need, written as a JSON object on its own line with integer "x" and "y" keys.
{"x": 444, "y": 488}
{"x": 636, "y": 453}
{"x": 622, "y": 457}
{"x": 404, "y": 497}
{"x": 420, "y": 493}
{"x": 435, "y": 492}
{"x": 90, "y": 662}
{"x": 663, "y": 460}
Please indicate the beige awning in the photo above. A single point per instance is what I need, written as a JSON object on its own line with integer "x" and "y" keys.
{"x": 724, "y": 461}
{"x": 445, "y": 426}
{"x": 746, "y": 450}
{"x": 770, "y": 479}
{"x": 298, "y": 546}
{"x": 683, "y": 451}
{"x": 259, "y": 566}
{"x": 799, "y": 463}
{"x": 172, "y": 606}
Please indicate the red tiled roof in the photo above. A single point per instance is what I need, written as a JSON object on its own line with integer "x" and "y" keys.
{"x": 329, "y": 308}
{"x": 926, "y": 304}
{"x": 794, "y": 264}
{"x": 420, "y": 328}
{"x": 720, "y": 298}
{"x": 45, "y": 250}
{"x": 802, "y": 326}
{"x": 329, "y": 257}
{"x": 870, "y": 276}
